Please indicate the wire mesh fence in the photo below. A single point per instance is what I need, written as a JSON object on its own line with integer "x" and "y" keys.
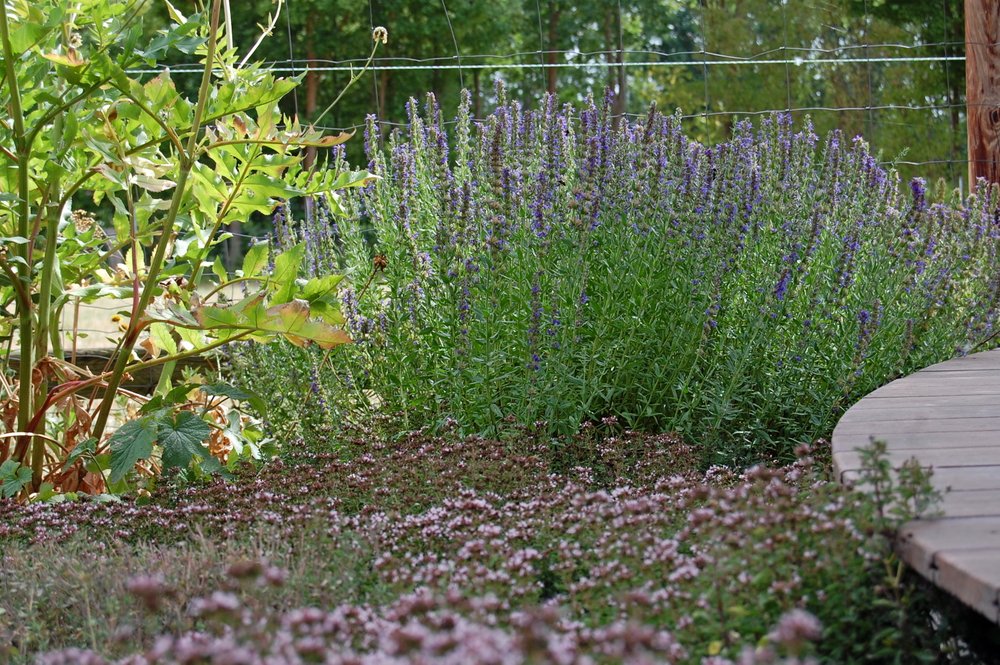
{"x": 899, "y": 84}
{"x": 891, "y": 72}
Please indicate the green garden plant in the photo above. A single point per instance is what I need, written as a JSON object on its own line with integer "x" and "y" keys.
{"x": 87, "y": 122}
{"x": 559, "y": 265}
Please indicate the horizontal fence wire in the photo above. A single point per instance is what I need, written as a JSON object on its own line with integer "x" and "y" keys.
{"x": 284, "y": 69}
{"x": 887, "y": 53}
{"x": 760, "y": 57}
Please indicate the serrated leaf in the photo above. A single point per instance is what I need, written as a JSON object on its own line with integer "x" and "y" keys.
{"x": 14, "y": 477}
{"x": 220, "y": 270}
{"x": 181, "y": 438}
{"x": 236, "y": 394}
{"x": 256, "y": 259}
{"x": 321, "y": 288}
{"x": 211, "y": 317}
{"x": 286, "y": 270}
{"x": 321, "y": 294}
{"x": 328, "y": 312}
{"x": 160, "y": 333}
{"x": 132, "y": 442}
{"x": 85, "y": 447}
{"x": 291, "y": 320}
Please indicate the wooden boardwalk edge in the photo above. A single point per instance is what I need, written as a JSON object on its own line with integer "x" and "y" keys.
{"x": 948, "y": 417}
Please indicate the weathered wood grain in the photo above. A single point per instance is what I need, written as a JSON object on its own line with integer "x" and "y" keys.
{"x": 948, "y": 418}
{"x": 982, "y": 86}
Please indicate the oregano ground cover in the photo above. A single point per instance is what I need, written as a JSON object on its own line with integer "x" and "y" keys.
{"x": 561, "y": 265}
{"x": 449, "y": 549}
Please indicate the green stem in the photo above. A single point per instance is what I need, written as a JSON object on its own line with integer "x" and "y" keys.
{"x": 236, "y": 280}
{"x": 22, "y": 148}
{"x": 220, "y": 218}
{"x": 49, "y": 266}
{"x": 187, "y": 160}
{"x": 146, "y": 364}
{"x": 42, "y": 328}
{"x": 23, "y": 298}
{"x": 350, "y": 83}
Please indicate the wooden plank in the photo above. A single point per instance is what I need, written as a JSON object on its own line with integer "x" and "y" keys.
{"x": 948, "y": 418}
{"x": 973, "y": 576}
{"x": 972, "y": 503}
{"x": 927, "y": 425}
{"x": 938, "y": 385}
{"x": 985, "y": 361}
{"x": 949, "y": 534}
{"x": 873, "y": 401}
{"x": 963, "y": 477}
{"x": 982, "y": 88}
{"x": 938, "y": 377}
{"x": 919, "y": 441}
{"x": 937, "y": 458}
{"x": 904, "y": 412}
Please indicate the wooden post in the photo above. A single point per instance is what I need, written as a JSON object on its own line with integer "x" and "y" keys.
{"x": 982, "y": 88}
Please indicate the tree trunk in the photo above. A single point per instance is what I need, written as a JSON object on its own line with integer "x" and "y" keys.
{"x": 982, "y": 88}
{"x": 312, "y": 88}
{"x": 383, "y": 93}
{"x": 312, "y": 93}
{"x": 550, "y": 48}
{"x": 477, "y": 96}
{"x": 621, "y": 100}
{"x": 609, "y": 45}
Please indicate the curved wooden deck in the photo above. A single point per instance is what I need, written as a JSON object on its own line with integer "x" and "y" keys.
{"x": 948, "y": 417}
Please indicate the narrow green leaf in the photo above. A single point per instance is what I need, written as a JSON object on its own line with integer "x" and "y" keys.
{"x": 220, "y": 270}
{"x": 236, "y": 394}
{"x": 174, "y": 14}
{"x": 256, "y": 259}
{"x": 286, "y": 271}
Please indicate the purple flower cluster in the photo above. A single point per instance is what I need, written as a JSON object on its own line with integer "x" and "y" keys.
{"x": 557, "y": 264}
{"x": 447, "y": 550}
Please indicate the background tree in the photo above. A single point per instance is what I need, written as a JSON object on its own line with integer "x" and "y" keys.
{"x": 910, "y": 110}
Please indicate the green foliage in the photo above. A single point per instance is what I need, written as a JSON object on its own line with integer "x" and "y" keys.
{"x": 172, "y": 171}
{"x": 632, "y": 536}
{"x": 905, "y": 108}
{"x": 14, "y": 477}
{"x": 555, "y": 266}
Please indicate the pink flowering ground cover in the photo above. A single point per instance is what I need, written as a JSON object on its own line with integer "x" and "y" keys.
{"x": 594, "y": 549}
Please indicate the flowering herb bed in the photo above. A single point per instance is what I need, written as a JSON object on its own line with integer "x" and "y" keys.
{"x": 545, "y": 270}
{"x": 559, "y": 265}
{"x": 452, "y": 550}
